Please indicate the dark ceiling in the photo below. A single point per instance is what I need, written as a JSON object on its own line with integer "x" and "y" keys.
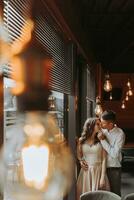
{"x": 110, "y": 27}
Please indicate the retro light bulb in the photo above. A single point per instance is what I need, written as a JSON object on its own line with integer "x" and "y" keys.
{"x": 127, "y": 98}
{"x": 123, "y": 106}
{"x": 128, "y": 83}
{"x": 111, "y": 96}
{"x": 130, "y": 92}
{"x": 107, "y": 84}
{"x": 98, "y": 108}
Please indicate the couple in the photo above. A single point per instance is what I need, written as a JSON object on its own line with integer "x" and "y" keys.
{"x": 99, "y": 153}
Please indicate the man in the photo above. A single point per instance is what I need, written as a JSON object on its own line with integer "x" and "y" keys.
{"x": 112, "y": 139}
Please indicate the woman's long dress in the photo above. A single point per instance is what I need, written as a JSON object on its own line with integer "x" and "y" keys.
{"x": 89, "y": 180}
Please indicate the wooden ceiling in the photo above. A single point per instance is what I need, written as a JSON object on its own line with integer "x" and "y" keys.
{"x": 110, "y": 28}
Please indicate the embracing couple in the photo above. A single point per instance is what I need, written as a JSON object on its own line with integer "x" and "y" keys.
{"x": 99, "y": 153}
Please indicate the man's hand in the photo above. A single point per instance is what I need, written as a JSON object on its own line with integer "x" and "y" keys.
{"x": 84, "y": 165}
{"x": 102, "y": 184}
{"x": 101, "y": 136}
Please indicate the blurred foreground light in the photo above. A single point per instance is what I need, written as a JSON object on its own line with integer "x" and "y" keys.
{"x": 44, "y": 166}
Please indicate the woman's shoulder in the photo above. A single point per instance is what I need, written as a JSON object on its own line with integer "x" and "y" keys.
{"x": 80, "y": 140}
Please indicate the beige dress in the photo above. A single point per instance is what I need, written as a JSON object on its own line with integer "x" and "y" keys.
{"x": 89, "y": 180}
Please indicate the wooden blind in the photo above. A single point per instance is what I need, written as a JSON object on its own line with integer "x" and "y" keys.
{"x": 15, "y": 15}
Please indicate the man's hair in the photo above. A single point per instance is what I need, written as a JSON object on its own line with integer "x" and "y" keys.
{"x": 109, "y": 115}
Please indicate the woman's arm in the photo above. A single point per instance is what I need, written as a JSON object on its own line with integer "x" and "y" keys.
{"x": 103, "y": 171}
{"x": 79, "y": 151}
{"x": 80, "y": 156}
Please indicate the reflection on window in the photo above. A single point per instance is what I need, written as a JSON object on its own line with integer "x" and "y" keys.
{"x": 56, "y": 106}
{"x": 10, "y": 106}
{"x": 9, "y": 99}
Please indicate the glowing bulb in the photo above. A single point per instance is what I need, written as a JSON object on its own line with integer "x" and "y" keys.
{"x": 127, "y": 98}
{"x": 37, "y": 158}
{"x": 111, "y": 96}
{"x": 98, "y": 110}
{"x": 130, "y": 92}
{"x": 36, "y": 155}
{"x": 34, "y": 130}
{"x": 123, "y": 105}
{"x": 128, "y": 83}
{"x": 107, "y": 86}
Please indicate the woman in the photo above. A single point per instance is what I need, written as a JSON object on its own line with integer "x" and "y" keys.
{"x": 92, "y": 158}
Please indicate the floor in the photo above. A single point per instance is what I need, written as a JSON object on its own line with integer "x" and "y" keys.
{"x": 128, "y": 178}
